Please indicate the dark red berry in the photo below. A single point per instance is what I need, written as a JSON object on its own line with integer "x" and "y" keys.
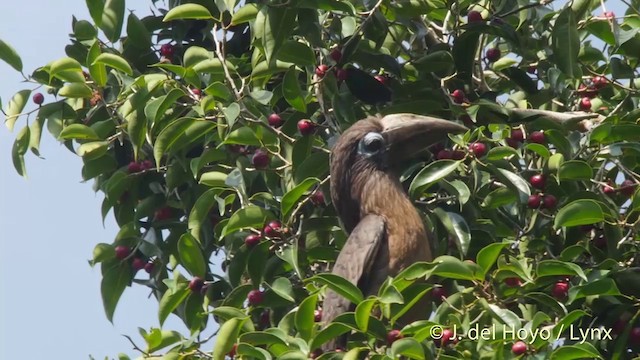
{"x": 138, "y": 264}
{"x": 148, "y": 267}
{"x": 255, "y": 297}
{"x": 381, "y": 79}
{"x": 608, "y": 189}
{"x": 517, "y": 135}
{"x": 444, "y": 155}
{"x": 167, "y": 50}
{"x": 628, "y": 187}
{"x": 479, "y": 149}
{"x": 457, "y": 155}
{"x": 560, "y": 290}
{"x": 493, "y": 54}
{"x": 393, "y": 335}
{"x": 532, "y": 69}
{"x": 534, "y": 201}
{"x": 275, "y": 120}
{"x": 512, "y": 282}
{"x": 317, "y": 315}
{"x": 306, "y": 127}
{"x": 549, "y": 202}
{"x": 438, "y": 293}
{"x": 265, "y": 318}
{"x": 317, "y": 198}
{"x": 163, "y": 213}
{"x": 585, "y": 104}
{"x": 336, "y": 55}
{"x": 232, "y": 352}
{"x": 538, "y": 181}
{"x": 458, "y": 96}
{"x": 146, "y": 164}
{"x": 619, "y": 326}
{"x": 474, "y": 16}
{"x": 196, "y": 284}
{"x": 134, "y": 167}
{"x": 634, "y": 336}
{"x": 600, "y": 82}
{"x": 341, "y": 74}
{"x": 519, "y": 348}
{"x": 38, "y": 98}
{"x": 447, "y": 337}
{"x": 197, "y": 92}
{"x": 537, "y": 137}
{"x": 252, "y": 240}
{"x": 321, "y": 70}
{"x": 260, "y": 159}
{"x": 272, "y": 229}
{"x": 122, "y": 252}
{"x": 609, "y": 15}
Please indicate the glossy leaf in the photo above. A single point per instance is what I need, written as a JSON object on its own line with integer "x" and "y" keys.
{"x": 187, "y": 11}
{"x": 191, "y": 255}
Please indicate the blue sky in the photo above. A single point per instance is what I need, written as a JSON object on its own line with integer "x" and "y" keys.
{"x": 50, "y": 305}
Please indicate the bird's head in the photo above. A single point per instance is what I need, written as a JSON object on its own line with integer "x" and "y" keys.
{"x": 376, "y": 144}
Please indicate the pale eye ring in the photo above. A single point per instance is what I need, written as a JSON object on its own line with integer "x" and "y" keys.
{"x": 373, "y": 142}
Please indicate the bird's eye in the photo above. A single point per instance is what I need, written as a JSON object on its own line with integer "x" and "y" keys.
{"x": 372, "y": 143}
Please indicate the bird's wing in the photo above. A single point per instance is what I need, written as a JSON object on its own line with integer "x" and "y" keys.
{"x": 355, "y": 261}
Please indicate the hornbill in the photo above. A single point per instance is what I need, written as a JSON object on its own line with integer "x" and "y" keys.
{"x": 386, "y": 232}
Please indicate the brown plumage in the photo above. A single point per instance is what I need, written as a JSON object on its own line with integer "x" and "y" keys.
{"x": 387, "y": 233}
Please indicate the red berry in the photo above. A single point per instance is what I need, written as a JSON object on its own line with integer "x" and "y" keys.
{"x": 444, "y": 155}
{"x": 619, "y": 326}
{"x": 479, "y": 149}
{"x": 600, "y": 82}
{"x": 534, "y": 201}
{"x": 628, "y": 187}
{"x": 260, "y": 159}
{"x": 474, "y": 16}
{"x": 549, "y": 202}
{"x": 232, "y": 352}
{"x": 275, "y": 120}
{"x": 532, "y": 69}
{"x": 585, "y": 104}
{"x": 265, "y": 318}
{"x": 306, "y": 127}
{"x": 537, "y": 137}
{"x": 382, "y": 79}
{"x": 493, "y": 54}
{"x": 38, "y": 98}
{"x": 517, "y": 135}
{"x": 341, "y": 74}
{"x": 458, "y": 96}
{"x": 447, "y": 337}
{"x": 513, "y": 143}
{"x": 167, "y": 50}
{"x": 600, "y": 241}
{"x": 608, "y": 189}
{"x": 317, "y": 315}
{"x": 163, "y": 214}
{"x": 609, "y": 14}
{"x": 255, "y": 297}
{"x": 317, "y": 198}
{"x": 134, "y": 167}
{"x": 272, "y": 229}
{"x": 538, "y": 181}
{"x": 252, "y": 240}
{"x": 122, "y": 252}
{"x": 321, "y": 70}
{"x": 512, "y": 282}
{"x": 519, "y": 348}
{"x": 148, "y": 267}
{"x": 560, "y": 290}
{"x": 393, "y": 335}
{"x": 196, "y": 284}
{"x": 634, "y": 335}
{"x": 457, "y": 155}
{"x": 438, "y": 293}
{"x": 138, "y": 264}
{"x": 336, "y": 55}
{"x": 146, "y": 164}
{"x": 197, "y": 92}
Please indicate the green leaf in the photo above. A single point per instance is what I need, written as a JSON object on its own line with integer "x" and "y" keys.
{"x": 169, "y": 100}
{"x": 453, "y": 268}
{"x": 291, "y": 198}
{"x": 191, "y": 255}
{"x": 113, "y": 19}
{"x": 245, "y": 14}
{"x": 457, "y": 226}
{"x": 283, "y": 288}
{"x": 556, "y": 267}
{"x": 579, "y": 212}
{"x": 501, "y": 152}
{"x": 93, "y": 150}
{"x": 98, "y": 71}
{"x": 188, "y": 11}
{"x": 84, "y": 30}
{"x": 250, "y": 217}
{"x": 115, "y": 62}
{"x": 330, "y": 332}
{"x": 514, "y": 182}
{"x": 195, "y": 55}
{"x": 273, "y": 25}
{"x": 15, "y": 107}
{"x": 10, "y": 56}
{"x": 575, "y": 170}
{"x": 292, "y": 92}
{"x": 180, "y": 132}
{"x": 200, "y": 211}
{"x": 566, "y": 43}
{"x": 158, "y": 339}
{"x": 363, "y": 313}
{"x": 488, "y": 256}
{"x": 137, "y": 32}
{"x": 305, "y": 315}
{"x": 261, "y": 338}
{"x": 78, "y": 132}
{"x": 171, "y": 299}
{"x": 583, "y": 350}
{"x": 296, "y": 52}
{"x": 340, "y": 285}
{"x": 36, "y": 132}
{"x": 96, "y": 7}
{"x": 226, "y": 337}
{"x": 431, "y": 174}
{"x": 76, "y": 90}
{"x": 114, "y": 280}
{"x": 20, "y": 147}
{"x": 408, "y": 347}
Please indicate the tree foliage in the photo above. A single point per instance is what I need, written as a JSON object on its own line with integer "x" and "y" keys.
{"x": 207, "y": 125}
